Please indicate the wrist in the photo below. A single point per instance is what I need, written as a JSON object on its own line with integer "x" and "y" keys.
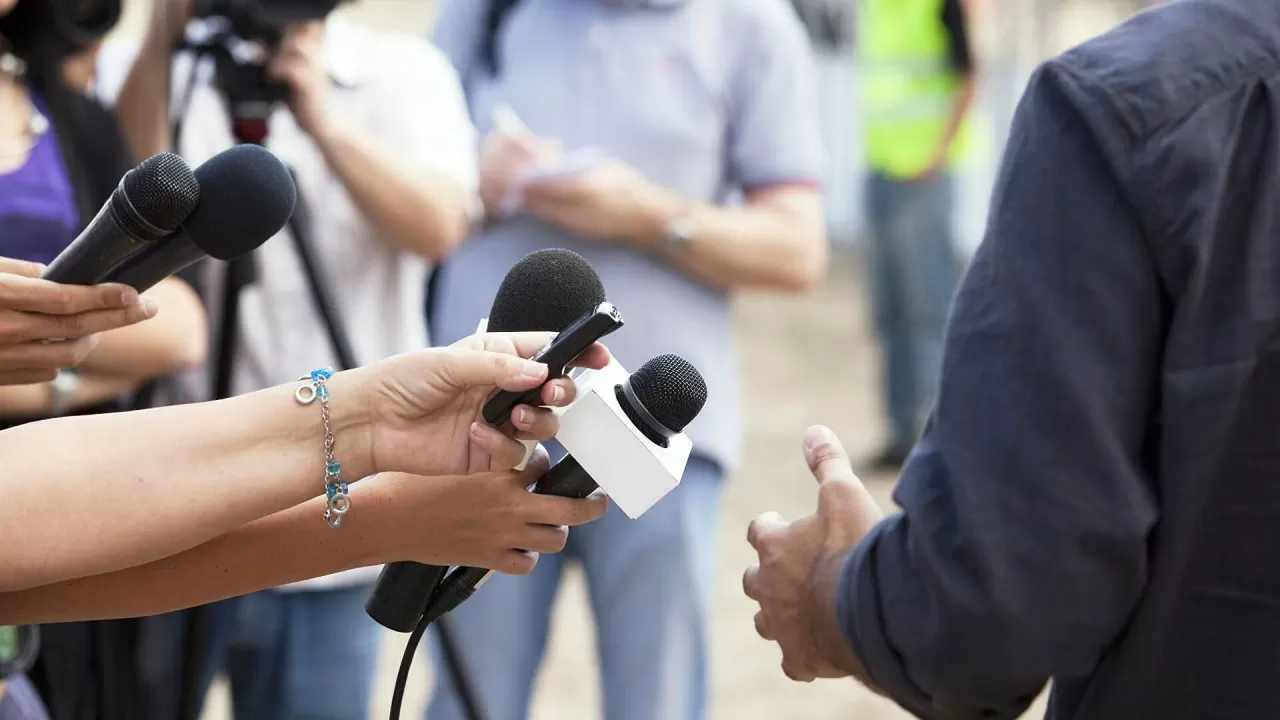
{"x": 823, "y": 624}
{"x": 350, "y": 421}
{"x": 655, "y": 211}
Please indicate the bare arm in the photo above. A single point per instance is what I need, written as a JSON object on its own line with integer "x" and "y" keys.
{"x": 175, "y": 339}
{"x": 142, "y": 106}
{"x": 419, "y": 211}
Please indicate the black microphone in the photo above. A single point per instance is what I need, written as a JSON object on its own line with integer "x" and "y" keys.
{"x": 660, "y": 399}
{"x": 246, "y": 197}
{"x": 150, "y": 202}
{"x": 546, "y": 290}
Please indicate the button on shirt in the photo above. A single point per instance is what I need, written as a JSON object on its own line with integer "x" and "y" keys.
{"x": 402, "y": 93}
{"x": 704, "y": 97}
{"x": 1097, "y": 496}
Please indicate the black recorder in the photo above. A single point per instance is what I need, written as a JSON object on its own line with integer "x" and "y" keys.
{"x": 563, "y": 349}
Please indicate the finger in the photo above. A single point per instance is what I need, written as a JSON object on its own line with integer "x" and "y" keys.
{"x": 826, "y": 455}
{"x": 21, "y": 267}
{"x": 464, "y": 369}
{"x": 762, "y": 626}
{"x": 842, "y": 498}
{"x": 751, "y": 582}
{"x": 762, "y": 526}
{"x": 559, "y": 393}
{"x": 28, "y": 376}
{"x": 504, "y": 452}
{"x": 570, "y": 512}
{"x": 544, "y": 538}
{"x": 35, "y": 326}
{"x": 57, "y": 355}
{"x": 517, "y": 562}
{"x": 42, "y": 296}
{"x": 795, "y": 671}
{"x": 526, "y": 344}
{"x": 595, "y": 357}
{"x": 534, "y": 423}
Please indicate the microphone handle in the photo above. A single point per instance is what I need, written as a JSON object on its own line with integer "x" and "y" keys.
{"x": 100, "y": 247}
{"x": 143, "y": 270}
{"x": 565, "y": 479}
{"x": 401, "y": 594}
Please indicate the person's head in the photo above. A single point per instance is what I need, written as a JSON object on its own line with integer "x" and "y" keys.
{"x": 44, "y": 33}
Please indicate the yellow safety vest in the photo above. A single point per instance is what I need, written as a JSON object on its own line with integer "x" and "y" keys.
{"x": 908, "y": 86}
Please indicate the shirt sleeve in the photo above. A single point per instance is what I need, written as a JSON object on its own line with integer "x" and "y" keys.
{"x": 1022, "y": 545}
{"x": 458, "y": 31}
{"x": 956, "y": 22}
{"x": 774, "y": 133}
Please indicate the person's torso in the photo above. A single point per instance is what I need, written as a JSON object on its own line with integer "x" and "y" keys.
{"x": 648, "y": 82}
{"x": 1196, "y": 87}
{"x": 38, "y": 213}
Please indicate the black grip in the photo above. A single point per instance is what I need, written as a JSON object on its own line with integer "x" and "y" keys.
{"x": 566, "y": 479}
{"x": 400, "y": 596}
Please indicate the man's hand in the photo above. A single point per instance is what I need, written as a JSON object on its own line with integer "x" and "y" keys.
{"x": 300, "y": 64}
{"x": 611, "y": 202}
{"x": 503, "y": 156}
{"x": 800, "y": 564}
{"x": 35, "y": 311}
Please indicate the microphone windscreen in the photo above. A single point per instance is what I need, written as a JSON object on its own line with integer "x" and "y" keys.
{"x": 247, "y": 196}
{"x": 163, "y": 192}
{"x": 546, "y": 290}
{"x": 671, "y": 389}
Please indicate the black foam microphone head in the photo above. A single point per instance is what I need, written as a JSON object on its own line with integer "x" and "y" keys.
{"x": 247, "y": 196}
{"x": 546, "y": 290}
{"x": 162, "y": 191}
{"x": 671, "y": 389}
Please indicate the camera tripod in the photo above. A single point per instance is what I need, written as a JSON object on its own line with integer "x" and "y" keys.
{"x": 250, "y": 126}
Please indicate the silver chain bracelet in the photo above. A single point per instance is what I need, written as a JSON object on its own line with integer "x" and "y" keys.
{"x": 338, "y": 501}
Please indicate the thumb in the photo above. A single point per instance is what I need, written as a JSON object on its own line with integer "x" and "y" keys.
{"x": 843, "y": 501}
{"x": 462, "y": 369}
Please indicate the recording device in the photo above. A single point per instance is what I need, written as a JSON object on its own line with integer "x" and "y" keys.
{"x": 247, "y": 196}
{"x": 546, "y": 290}
{"x": 623, "y": 436}
{"x": 244, "y": 36}
{"x": 152, "y": 200}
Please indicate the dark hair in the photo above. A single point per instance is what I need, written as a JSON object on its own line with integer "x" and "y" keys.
{"x": 43, "y": 33}
{"x": 496, "y": 15}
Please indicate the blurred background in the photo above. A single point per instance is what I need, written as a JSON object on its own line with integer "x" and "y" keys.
{"x": 805, "y": 359}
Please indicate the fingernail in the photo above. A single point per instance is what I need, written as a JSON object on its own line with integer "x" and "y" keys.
{"x": 557, "y": 393}
{"x": 480, "y": 429}
{"x": 128, "y": 296}
{"x": 817, "y": 437}
{"x": 149, "y": 307}
{"x": 524, "y": 416}
{"x": 533, "y": 369}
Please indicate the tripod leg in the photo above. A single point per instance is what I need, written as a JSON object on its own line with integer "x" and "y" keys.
{"x": 467, "y": 696}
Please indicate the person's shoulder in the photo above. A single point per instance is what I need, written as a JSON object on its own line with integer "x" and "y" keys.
{"x": 1161, "y": 65}
{"x": 397, "y": 54}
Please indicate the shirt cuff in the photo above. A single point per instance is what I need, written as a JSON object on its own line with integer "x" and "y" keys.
{"x": 861, "y": 616}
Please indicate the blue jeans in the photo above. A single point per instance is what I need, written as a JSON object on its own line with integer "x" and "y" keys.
{"x": 651, "y": 582}
{"x": 307, "y": 654}
{"x": 914, "y": 270}
{"x": 20, "y": 700}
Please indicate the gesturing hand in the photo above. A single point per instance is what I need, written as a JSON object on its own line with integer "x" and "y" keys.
{"x": 798, "y": 560}
{"x": 33, "y": 311}
{"x": 424, "y": 407}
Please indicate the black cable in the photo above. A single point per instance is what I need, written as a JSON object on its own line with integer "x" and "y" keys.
{"x": 452, "y": 665}
{"x": 406, "y": 662}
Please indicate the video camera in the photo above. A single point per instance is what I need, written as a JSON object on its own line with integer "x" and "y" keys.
{"x": 241, "y": 36}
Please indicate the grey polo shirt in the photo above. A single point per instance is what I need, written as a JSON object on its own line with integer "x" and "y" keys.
{"x": 705, "y": 97}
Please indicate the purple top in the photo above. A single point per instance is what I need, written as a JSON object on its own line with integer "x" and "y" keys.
{"x": 38, "y": 214}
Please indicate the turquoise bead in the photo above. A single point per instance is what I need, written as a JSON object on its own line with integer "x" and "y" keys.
{"x": 342, "y": 487}
{"x": 331, "y": 489}
{"x": 322, "y": 392}
{"x": 321, "y": 374}
{"x": 333, "y": 467}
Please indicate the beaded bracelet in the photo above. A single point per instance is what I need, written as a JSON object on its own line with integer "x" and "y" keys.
{"x": 312, "y": 387}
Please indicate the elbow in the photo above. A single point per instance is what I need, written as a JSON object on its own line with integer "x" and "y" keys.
{"x": 807, "y": 266}
{"x": 435, "y": 233}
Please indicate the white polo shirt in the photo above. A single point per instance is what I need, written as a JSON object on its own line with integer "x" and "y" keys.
{"x": 406, "y": 96}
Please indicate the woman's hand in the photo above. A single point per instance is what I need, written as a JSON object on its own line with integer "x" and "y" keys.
{"x": 34, "y": 311}
{"x": 423, "y": 408}
{"x": 487, "y": 520}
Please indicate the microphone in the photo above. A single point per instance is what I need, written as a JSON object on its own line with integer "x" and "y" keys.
{"x": 150, "y": 202}
{"x": 247, "y": 196}
{"x": 636, "y": 452}
{"x": 547, "y": 290}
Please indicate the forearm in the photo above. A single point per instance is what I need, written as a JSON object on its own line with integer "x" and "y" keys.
{"x": 175, "y": 339}
{"x": 134, "y": 487}
{"x": 23, "y": 401}
{"x": 143, "y": 104}
{"x": 422, "y": 212}
{"x": 289, "y": 546}
{"x": 776, "y": 241}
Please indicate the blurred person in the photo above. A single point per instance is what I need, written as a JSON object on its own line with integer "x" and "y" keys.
{"x": 377, "y": 132}
{"x": 1095, "y": 497}
{"x": 61, "y": 156}
{"x": 917, "y": 79}
{"x": 704, "y": 117}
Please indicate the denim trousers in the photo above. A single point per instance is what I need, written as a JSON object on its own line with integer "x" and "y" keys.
{"x": 20, "y": 700}
{"x": 914, "y": 269}
{"x": 651, "y": 582}
{"x": 298, "y": 655}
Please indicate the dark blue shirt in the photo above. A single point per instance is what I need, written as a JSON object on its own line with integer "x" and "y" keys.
{"x": 1096, "y": 498}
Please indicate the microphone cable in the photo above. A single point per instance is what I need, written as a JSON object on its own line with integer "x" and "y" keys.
{"x": 466, "y": 694}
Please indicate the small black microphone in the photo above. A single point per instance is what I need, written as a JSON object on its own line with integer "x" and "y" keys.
{"x": 546, "y": 290}
{"x": 660, "y": 399}
{"x": 150, "y": 202}
{"x": 247, "y": 195}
